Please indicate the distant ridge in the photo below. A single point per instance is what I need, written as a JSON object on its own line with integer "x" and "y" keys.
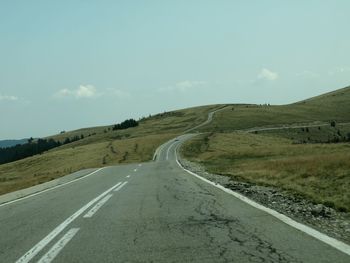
{"x": 10, "y": 143}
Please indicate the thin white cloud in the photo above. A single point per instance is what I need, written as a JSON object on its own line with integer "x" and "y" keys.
{"x": 64, "y": 93}
{"x": 83, "y": 91}
{"x": 266, "y": 74}
{"x": 8, "y": 97}
{"x": 119, "y": 93}
{"x": 184, "y": 86}
{"x": 87, "y": 91}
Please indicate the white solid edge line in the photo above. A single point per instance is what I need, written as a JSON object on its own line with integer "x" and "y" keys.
{"x": 159, "y": 149}
{"x": 167, "y": 152}
{"x": 306, "y": 229}
{"x": 95, "y": 208}
{"x": 51, "y": 188}
{"x": 120, "y": 187}
{"x": 39, "y": 246}
{"x": 55, "y": 250}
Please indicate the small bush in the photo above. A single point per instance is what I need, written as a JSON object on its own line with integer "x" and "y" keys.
{"x": 342, "y": 209}
{"x": 329, "y": 204}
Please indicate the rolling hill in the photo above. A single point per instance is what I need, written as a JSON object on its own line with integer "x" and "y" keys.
{"x": 307, "y": 154}
{"x": 324, "y": 108}
{"x": 100, "y": 147}
{"x": 318, "y": 171}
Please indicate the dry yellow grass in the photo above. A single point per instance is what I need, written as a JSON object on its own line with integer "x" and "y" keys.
{"x": 103, "y": 147}
{"x": 320, "y": 172}
{"x": 169, "y": 122}
{"x": 59, "y": 162}
{"x": 324, "y": 108}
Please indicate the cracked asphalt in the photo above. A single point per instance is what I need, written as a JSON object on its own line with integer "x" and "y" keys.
{"x": 162, "y": 214}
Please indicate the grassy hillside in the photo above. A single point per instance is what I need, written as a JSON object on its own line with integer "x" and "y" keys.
{"x": 303, "y": 160}
{"x": 320, "y": 172}
{"x": 102, "y": 148}
{"x": 313, "y": 134}
{"x": 324, "y": 108}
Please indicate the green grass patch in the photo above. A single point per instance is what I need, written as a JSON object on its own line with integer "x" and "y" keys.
{"x": 324, "y": 108}
{"x": 320, "y": 172}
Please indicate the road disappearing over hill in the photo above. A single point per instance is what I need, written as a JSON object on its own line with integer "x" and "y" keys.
{"x": 150, "y": 212}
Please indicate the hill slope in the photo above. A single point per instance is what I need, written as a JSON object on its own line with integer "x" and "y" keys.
{"x": 331, "y": 106}
{"x": 102, "y": 148}
{"x": 303, "y": 160}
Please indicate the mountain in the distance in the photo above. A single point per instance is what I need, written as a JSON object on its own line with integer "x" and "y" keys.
{"x": 9, "y": 143}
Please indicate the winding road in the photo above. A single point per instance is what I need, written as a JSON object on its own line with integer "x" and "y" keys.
{"x": 151, "y": 212}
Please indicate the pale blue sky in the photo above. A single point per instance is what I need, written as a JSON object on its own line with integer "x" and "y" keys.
{"x": 71, "y": 64}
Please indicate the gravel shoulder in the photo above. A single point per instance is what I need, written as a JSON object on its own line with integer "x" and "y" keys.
{"x": 327, "y": 220}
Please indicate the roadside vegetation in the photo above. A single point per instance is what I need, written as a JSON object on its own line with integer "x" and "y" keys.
{"x": 315, "y": 134}
{"x": 33, "y": 147}
{"x": 320, "y": 172}
{"x": 312, "y": 160}
{"x": 65, "y": 160}
{"x": 123, "y": 143}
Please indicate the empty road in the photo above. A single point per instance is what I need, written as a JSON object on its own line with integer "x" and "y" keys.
{"x": 150, "y": 212}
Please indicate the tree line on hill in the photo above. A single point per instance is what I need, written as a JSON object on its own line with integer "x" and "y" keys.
{"x": 32, "y": 147}
{"x": 125, "y": 125}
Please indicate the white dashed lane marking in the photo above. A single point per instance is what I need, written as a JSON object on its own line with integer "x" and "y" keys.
{"x": 46, "y": 240}
{"x": 97, "y": 206}
{"x": 53, "y": 252}
{"x": 120, "y": 187}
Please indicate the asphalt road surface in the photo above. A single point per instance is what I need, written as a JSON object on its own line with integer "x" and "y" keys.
{"x": 150, "y": 212}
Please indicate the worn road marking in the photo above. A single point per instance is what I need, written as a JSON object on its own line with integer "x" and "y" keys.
{"x": 55, "y": 250}
{"x": 167, "y": 152}
{"x": 38, "y": 247}
{"x": 121, "y": 186}
{"x": 52, "y": 188}
{"x": 135, "y": 170}
{"x": 158, "y": 150}
{"x": 128, "y": 176}
{"x": 93, "y": 210}
{"x": 306, "y": 229}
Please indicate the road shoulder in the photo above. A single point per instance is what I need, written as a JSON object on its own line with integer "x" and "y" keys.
{"x": 37, "y": 189}
{"x": 326, "y": 220}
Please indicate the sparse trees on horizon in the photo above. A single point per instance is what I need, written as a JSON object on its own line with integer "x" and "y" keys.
{"x": 125, "y": 125}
